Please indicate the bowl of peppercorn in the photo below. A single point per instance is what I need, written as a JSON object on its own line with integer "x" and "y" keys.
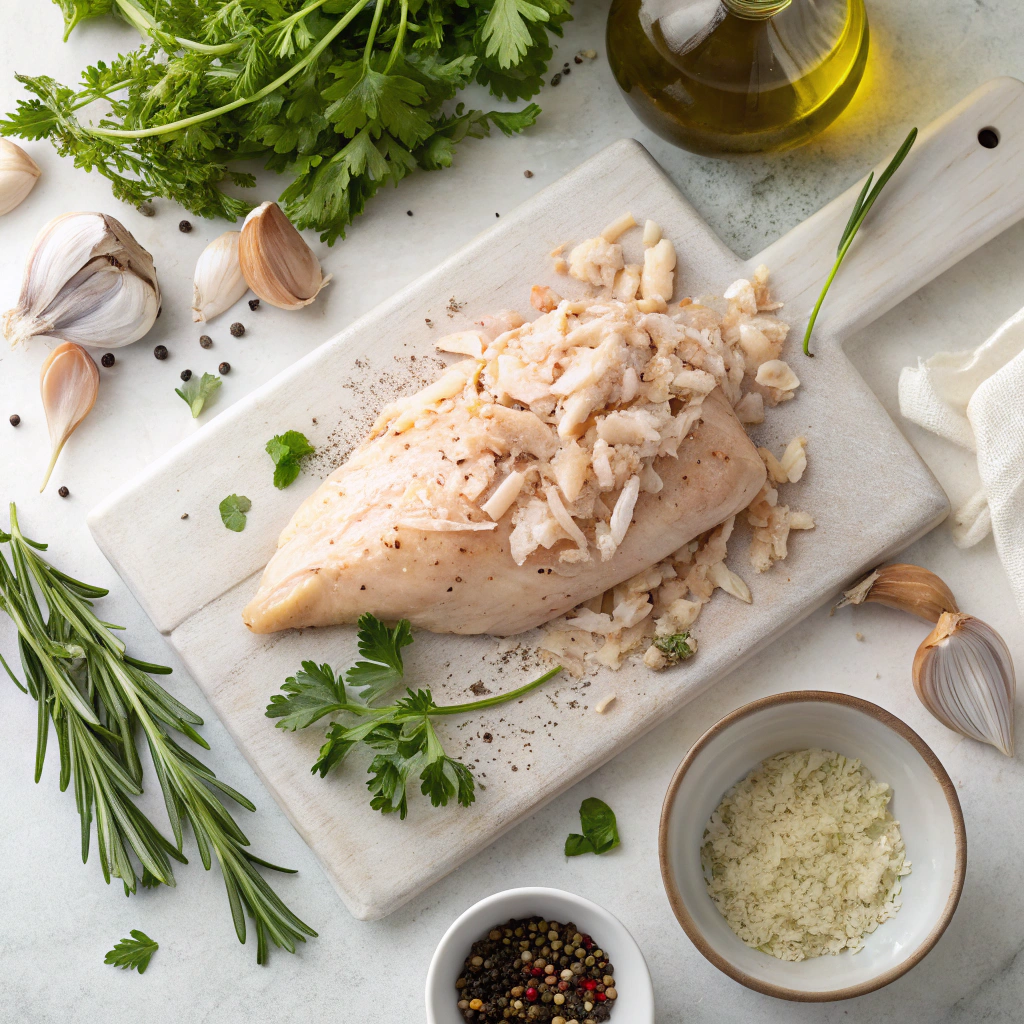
{"x": 538, "y": 955}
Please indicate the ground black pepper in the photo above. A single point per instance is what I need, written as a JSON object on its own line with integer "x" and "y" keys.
{"x": 108, "y": 359}
{"x": 536, "y": 970}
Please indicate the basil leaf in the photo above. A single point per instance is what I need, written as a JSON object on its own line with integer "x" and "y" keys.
{"x": 600, "y": 833}
{"x": 577, "y": 844}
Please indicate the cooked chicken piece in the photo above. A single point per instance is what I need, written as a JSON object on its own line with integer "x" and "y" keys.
{"x": 398, "y": 530}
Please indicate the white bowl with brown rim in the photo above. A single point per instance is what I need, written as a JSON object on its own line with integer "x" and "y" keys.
{"x": 634, "y": 1003}
{"x": 924, "y": 802}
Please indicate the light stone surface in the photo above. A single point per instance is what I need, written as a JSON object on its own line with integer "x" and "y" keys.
{"x": 58, "y": 919}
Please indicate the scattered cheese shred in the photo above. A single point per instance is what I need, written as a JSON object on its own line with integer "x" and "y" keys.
{"x": 803, "y": 858}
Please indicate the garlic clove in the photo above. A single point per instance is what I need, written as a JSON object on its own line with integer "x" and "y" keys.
{"x": 908, "y": 588}
{"x": 87, "y": 280}
{"x": 18, "y": 175}
{"x": 68, "y": 383}
{"x": 964, "y": 675}
{"x": 276, "y": 262}
{"x": 218, "y": 282}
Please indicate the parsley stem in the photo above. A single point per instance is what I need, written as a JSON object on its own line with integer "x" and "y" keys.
{"x": 377, "y": 11}
{"x": 396, "y": 50}
{"x": 500, "y": 698}
{"x": 147, "y": 27}
{"x": 186, "y": 122}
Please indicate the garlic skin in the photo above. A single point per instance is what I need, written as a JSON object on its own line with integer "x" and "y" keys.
{"x": 908, "y": 588}
{"x": 87, "y": 281}
{"x": 218, "y": 282}
{"x": 276, "y": 262}
{"x": 68, "y": 383}
{"x": 18, "y": 175}
{"x": 964, "y": 675}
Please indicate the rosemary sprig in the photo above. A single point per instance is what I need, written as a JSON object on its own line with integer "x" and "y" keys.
{"x": 98, "y": 698}
{"x": 861, "y": 207}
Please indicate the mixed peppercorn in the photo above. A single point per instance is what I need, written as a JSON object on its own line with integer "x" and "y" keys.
{"x": 536, "y": 970}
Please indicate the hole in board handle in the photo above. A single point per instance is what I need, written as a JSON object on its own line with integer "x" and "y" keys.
{"x": 988, "y": 137}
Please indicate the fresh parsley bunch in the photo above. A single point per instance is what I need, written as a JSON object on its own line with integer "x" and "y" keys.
{"x": 402, "y": 733}
{"x": 345, "y": 95}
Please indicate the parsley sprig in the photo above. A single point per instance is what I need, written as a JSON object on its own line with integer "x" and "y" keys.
{"x": 99, "y": 700}
{"x": 286, "y": 450}
{"x": 133, "y": 953}
{"x": 345, "y": 95}
{"x": 401, "y": 733}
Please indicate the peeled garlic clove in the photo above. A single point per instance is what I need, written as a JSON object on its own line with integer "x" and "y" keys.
{"x": 88, "y": 281}
{"x": 276, "y": 262}
{"x": 218, "y": 283}
{"x": 68, "y": 383}
{"x": 18, "y": 175}
{"x": 964, "y": 675}
{"x": 908, "y": 588}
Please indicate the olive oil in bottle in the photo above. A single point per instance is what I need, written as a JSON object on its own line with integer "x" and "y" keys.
{"x": 737, "y": 76}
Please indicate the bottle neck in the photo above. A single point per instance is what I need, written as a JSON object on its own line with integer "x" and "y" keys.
{"x": 755, "y": 10}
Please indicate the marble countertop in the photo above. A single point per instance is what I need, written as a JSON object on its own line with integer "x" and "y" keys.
{"x": 58, "y": 918}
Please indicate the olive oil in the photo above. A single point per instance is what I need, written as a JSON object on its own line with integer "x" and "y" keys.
{"x": 737, "y": 76}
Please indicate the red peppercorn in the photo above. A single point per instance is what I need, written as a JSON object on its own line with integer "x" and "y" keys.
{"x": 601, "y": 997}
{"x": 588, "y": 943}
{"x": 590, "y": 984}
{"x": 537, "y": 972}
{"x": 531, "y": 994}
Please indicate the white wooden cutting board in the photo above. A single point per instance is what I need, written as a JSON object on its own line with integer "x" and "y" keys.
{"x": 868, "y": 491}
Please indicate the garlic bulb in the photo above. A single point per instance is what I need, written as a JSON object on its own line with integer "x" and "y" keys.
{"x": 68, "y": 383}
{"x": 18, "y": 175}
{"x": 908, "y": 588}
{"x": 276, "y": 262}
{"x": 86, "y": 281}
{"x": 964, "y": 676}
{"x": 218, "y": 283}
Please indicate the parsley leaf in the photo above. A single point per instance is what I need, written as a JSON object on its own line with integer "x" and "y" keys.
{"x": 232, "y": 511}
{"x": 312, "y": 693}
{"x": 286, "y": 450}
{"x": 675, "y": 647}
{"x": 195, "y": 392}
{"x": 600, "y": 832}
{"x": 134, "y": 953}
{"x": 402, "y": 734}
{"x": 506, "y": 31}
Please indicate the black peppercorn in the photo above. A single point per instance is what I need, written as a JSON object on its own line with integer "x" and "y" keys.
{"x": 254, "y": 304}
{"x": 578, "y": 59}
{"x": 555, "y": 79}
{"x": 186, "y": 374}
{"x": 160, "y": 351}
{"x": 63, "y": 491}
{"x": 205, "y": 341}
{"x": 108, "y": 359}
{"x": 224, "y": 368}
{"x": 408, "y": 213}
{"x": 237, "y": 329}
{"x": 15, "y": 419}
{"x": 184, "y": 226}
{"x": 527, "y": 174}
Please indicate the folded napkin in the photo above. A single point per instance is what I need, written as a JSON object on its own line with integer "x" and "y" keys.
{"x": 976, "y": 400}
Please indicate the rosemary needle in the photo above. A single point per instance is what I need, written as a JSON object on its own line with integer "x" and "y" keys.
{"x": 98, "y": 699}
{"x": 861, "y": 207}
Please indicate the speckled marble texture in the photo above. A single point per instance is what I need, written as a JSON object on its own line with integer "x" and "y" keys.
{"x": 57, "y": 918}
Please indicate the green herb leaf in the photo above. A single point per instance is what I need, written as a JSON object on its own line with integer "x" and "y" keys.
{"x": 675, "y": 647}
{"x": 381, "y": 648}
{"x": 311, "y": 693}
{"x": 506, "y": 30}
{"x": 600, "y": 833}
{"x": 134, "y": 953}
{"x": 860, "y": 210}
{"x": 232, "y": 511}
{"x": 286, "y": 450}
{"x": 197, "y": 391}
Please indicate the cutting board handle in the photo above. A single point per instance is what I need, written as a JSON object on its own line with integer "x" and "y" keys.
{"x": 950, "y": 196}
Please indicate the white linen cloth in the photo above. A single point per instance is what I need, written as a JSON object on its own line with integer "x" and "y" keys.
{"x": 976, "y": 400}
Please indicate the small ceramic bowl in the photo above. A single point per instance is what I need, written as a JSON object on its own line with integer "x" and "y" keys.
{"x": 635, "y": 1002}
{"x": 924, "y": 802}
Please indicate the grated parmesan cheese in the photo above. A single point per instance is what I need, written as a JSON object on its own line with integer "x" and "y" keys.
{"x": 803, "y": 858}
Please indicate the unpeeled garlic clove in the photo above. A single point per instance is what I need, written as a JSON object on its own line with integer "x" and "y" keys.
{"x": 18, "y": 175}
{"x": 276, "y": 262}
{"x": 908, "y": 588}
{"x": 964, "y": 675}
{"x": 218, "y": 283}
{"x": 68, "y": 383}
{"x": 88, "y": 281}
